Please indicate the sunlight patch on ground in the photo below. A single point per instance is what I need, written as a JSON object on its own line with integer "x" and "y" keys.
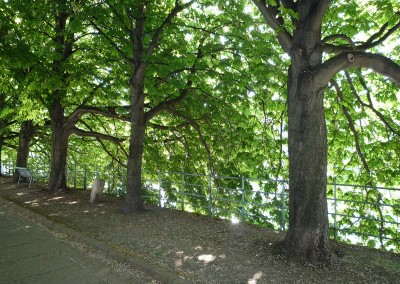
{"x": 255, "y": 278}
{"x": 206, "y": 258}
{"x": 183, "y": 258}
{"x": 72, "y": 202}
{"x": 21, "y": 193}
{"x": 235, "y": 220}
{"x": 178, "y": 263}
{"x": 32, "y": 202}
{"x": 56, "y": 198}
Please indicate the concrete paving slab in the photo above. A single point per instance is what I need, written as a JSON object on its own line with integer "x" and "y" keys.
{"x": 32, "y": 254}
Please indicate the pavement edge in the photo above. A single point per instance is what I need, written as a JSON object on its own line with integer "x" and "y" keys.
{"x": 159, "y": 273}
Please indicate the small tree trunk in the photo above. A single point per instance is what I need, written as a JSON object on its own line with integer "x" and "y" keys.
{"x": 59, "y": 147}
{"x": 133, "y": 199}
{"x": 26, "y": 133}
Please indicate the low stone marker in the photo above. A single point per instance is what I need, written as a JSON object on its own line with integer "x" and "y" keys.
{"x": 97, "y": 189}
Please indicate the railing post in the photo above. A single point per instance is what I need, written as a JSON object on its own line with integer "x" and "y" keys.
{"x": 243, "y": 201}
{"x": 75, "y": 176}
{"x": 183, "y": 192}
{"x": 122, "y": 181}
{"x": 84, "y": 179}
{"x": 210, "y": 197}
{"x": 159, "y": 190}
{"x": 334, "y": 213}
{"x": 66, "y": 174}
{"x": 283, "y": 207}
{"x": 109, "y": 180}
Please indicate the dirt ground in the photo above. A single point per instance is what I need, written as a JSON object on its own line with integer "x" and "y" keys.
{"x": 198, "y": 248}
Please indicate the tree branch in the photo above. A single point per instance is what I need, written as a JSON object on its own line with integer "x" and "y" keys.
{"x": 105, "y": 147}
{"x": 284, "y": 38}
{"x": 10, "y": 135}
{"x": 156, "y": 37}
{"x": 183, "y": 92}
{"x": 12, "y": 146}
{"x": 319, "y": 14}
{"x": 351, "y": 126}
{"x": 369, "y": 43}
{"x": 378, "y": 63}
{"x": 169, "y": 75}
{"x": 196, "y": 126}
{"x": 370, "y": 104}
{"x": 113, "y": 44}
{"x": 288, "y": 4}
{"x": 84, "y": 133}
{"x": 166, "y": 127}
{"x": 104, "y": 111}
{"x": 337, "y": 36}
{"x": 121, "y": 19}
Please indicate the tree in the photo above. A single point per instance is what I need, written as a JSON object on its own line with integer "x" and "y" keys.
{"x": 60, "y": 74}
{"x": 7, "y": 122}
{"x": 315, "y": 59}
{"x": 161, "y": 67}
{"x": 26, "y": 133}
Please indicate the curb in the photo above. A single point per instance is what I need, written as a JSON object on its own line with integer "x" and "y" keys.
{"x": 159, "y": 273}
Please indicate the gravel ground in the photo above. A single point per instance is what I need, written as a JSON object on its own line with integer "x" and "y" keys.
{"x": 201, "y": 249}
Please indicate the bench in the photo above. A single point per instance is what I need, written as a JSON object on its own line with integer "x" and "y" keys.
{"x": 25, "y": 173}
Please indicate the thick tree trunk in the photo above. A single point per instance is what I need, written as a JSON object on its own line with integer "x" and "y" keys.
{"x": 133, "y": 200}
{"x": 308, "y": 233}
{"x": 26, "y": 133}
{"x": 59, "y": 147}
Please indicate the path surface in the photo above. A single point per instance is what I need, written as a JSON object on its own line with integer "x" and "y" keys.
{"x": 31, "y": 254}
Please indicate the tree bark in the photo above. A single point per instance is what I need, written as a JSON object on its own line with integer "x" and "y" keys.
{"x": 64, "y": 41}
{"x": 59, "y": 147}
{"x": 133, "y": 200}
{"x": 308, "y": 232}
{"x": 26, "y": 133}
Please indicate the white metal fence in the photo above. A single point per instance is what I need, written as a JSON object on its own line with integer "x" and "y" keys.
{"x": 364, "y": 215}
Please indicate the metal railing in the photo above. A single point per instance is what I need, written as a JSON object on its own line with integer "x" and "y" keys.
{"x": 364, "y": 215}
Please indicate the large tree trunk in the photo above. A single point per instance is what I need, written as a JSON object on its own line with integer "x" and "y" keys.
{"x": 59, "y": 148}
{"x": 308, "y": 233}
{"x": 64, "y": 41}
{"x": 133, "y": 200}
{"x": 26, "y": 133}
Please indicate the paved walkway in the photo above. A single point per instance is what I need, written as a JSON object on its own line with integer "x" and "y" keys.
{"x": 30, "y": 253}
